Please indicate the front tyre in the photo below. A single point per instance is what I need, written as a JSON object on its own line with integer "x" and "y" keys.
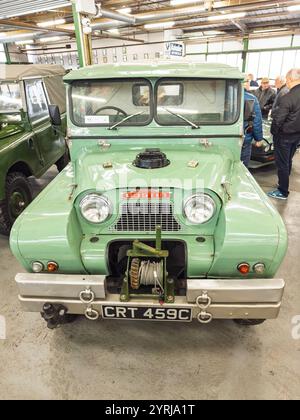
{"x": 17, "y": 197}
{"x": 249, "y": 322}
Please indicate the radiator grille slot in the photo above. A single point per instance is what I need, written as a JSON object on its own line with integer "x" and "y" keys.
{"x": 144, "y": 217}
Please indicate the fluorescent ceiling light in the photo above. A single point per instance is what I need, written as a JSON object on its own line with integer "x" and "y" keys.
{"x": 24, "y": 42}
{"x": 51, "y": 23}
{"x": 220, "y": 4}
{"x": 295, "y": 8}
{"x": 158, "y": 25}
{"x": 23, "y": 36}
{"x": 230, "y": 16}
{"x": 125, "y": 10}
{"x": 180, "y": 2}
{"x": 261, "y": 31}
{"x": 114, "y": 31}
{"x": 51, "y": 39}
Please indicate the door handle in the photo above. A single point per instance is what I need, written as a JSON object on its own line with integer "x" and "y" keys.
{"x": 31, "y": 144}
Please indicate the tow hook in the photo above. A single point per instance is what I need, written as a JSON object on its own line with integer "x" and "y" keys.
{"x": 203, "y": 302}
{"x": 56, "y": 315}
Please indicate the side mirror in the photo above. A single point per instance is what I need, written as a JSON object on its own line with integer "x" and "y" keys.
{"x": 55, "y": 116}
{"x": 249, "y": 113}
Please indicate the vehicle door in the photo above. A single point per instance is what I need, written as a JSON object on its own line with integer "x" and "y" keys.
{"x": 48, "y": 138}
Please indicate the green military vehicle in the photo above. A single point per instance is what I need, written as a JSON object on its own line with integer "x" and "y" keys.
{"x": 156, "y": 218}
{"x": 30, "y": 142}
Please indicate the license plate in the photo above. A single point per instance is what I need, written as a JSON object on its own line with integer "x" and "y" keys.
{"x": 147, "y": 313}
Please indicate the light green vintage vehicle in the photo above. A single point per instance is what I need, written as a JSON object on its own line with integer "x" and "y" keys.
{"x": 156, "y": 218}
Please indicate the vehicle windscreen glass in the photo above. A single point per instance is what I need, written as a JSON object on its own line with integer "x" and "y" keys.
{"x": 107, "y": 102}
{"x": 10, "y": 98}
{"x": 201, "y": 101}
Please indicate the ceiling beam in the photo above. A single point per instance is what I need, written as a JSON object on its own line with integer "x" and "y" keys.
{"x": 23, "y": 25}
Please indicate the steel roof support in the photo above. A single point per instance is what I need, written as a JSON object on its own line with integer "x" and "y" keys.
{"x": 83, "y": 40}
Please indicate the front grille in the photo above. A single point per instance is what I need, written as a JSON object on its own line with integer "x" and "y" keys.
{"x": 144, "y": 217}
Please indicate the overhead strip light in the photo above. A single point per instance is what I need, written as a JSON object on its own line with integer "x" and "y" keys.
{"x": 261, "y": 31}
{"x": 25, "y": 42}
{"x": 162, "y": 25}
{"x": 182, "y": 2}
{"x": 125, "y": 10}
{"x": 51, "y": 39}
{"x": 295, "y": 8}
{"x": 229, "y": 16}
{"x": 51, "y": 23}
{"x": 114, "y": 31}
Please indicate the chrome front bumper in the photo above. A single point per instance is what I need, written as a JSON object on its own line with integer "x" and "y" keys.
{"x": 208, "y": 298}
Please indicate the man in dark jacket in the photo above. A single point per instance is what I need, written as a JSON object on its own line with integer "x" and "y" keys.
{"x": 266, "y": 97}
{"x": 286, "y": 131}
{"x": 282, "y": 89}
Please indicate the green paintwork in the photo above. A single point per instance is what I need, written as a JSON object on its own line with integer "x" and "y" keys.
{"x": 218, "y": 71}
{"x": 245, "y": 228}
{"x": 29, "y": 148}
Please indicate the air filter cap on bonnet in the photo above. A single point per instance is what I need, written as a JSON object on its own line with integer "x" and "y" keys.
{"x": 151, "y": 159}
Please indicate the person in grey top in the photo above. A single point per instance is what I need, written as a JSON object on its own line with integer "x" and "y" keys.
{"x": 282, "y": 89}
{"x": 266, "y": 96}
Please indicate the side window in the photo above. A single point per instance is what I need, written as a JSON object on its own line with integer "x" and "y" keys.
{"x": 36, "y": 100}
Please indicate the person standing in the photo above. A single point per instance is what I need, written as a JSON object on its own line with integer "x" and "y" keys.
{"x": 282, "y": 89}
{"x": 286, "y": 131}
{"x": 253, "y": 129}
{"x": 266, "y": 96}
{"x": 253, "y": 83}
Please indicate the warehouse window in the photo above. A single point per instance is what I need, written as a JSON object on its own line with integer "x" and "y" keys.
{"x": 2, "y": 54}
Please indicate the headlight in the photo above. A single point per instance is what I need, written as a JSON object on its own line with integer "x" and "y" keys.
{"x": 199, "y": 208}
{"x": 95, "y": 208}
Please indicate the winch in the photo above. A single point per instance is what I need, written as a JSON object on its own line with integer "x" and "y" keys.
{"x": 147, "y": 271}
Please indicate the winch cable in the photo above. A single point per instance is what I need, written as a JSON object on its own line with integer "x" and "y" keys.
{"x": 151, "y": 273}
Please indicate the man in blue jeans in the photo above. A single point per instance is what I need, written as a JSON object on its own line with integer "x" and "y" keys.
{"x": 286, "y": 131}
{"x": 253, "y": 129}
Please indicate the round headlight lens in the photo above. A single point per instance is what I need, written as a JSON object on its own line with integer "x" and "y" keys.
{"x": 199, "y": 208}
{"x": 95, "y": 208}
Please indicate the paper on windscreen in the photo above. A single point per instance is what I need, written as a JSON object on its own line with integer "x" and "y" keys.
{"x": 97, "y": 119}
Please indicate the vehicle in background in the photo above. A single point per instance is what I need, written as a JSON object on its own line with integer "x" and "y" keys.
{"x": 264, "y": 155}
{"x": 156, "y": 218}
{"x": 31, "y": 139}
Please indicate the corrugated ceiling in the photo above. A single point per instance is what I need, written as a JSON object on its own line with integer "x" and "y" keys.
{"x": 10, "y": 8}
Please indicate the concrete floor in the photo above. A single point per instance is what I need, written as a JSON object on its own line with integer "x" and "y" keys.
{"x": 135, "y": 360}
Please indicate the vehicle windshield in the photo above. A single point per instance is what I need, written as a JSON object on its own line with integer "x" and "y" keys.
{"x": 108, "y": 102}
{"x": 10, "y": 98}
{"x": 197, "y": 101}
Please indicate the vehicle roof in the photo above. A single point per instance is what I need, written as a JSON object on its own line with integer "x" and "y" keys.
{"x": 157, "y": 70}
{"x": 22, "y": 71}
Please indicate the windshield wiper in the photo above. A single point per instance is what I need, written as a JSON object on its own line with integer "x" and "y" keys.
{"x": 193, "y": 125}
{"x": 125, "y": 119}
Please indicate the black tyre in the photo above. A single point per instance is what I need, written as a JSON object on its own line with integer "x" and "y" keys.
{"x": 63, "y": 161}
{"x": 249, "y": 322}
{"x": 18, "y": 196}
